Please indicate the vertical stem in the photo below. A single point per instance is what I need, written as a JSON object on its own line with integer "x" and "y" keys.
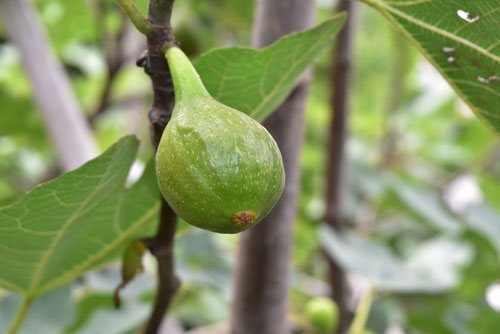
{"x": 334, "y": 215}
{"x": 362, "y": 312}
{"x": 162, "y": 247}
{"x": 155, "y": 65}
{"x": 263, "y": 267}
{"x": 20, "y": 315}
{"x": 159, "y": 14}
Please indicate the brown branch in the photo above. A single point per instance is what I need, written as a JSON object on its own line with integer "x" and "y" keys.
{"x": 155, "y": 65}
{"x": 334, "y": 215}
{"x": 162, "y": 247}
{"x": 263, "y": 266}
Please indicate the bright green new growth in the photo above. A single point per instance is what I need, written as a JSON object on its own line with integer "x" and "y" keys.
{"x": 217, "y": 168}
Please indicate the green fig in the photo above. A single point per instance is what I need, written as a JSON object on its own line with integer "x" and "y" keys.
{"x": 323, "y": 314}
{"x": 218, "y": 168}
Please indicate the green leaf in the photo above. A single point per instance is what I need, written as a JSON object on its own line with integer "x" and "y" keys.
{"x": 115, "y": 321}
{"x": 257, "y": 81}
{"x": 202, "y": 261}
{"x": 96, "y": 312}
{"x": 484, "y": 220}
{"x": 49, "y": 314}
{"x": 380, "y": 265}
{"x": 461, "y": 39}
{"x": 87, "y": 306}
{"x": 426, "y": 203}
{"x": 20, "y": 118}
{"x": 76, "y": 222}
{"x": 74, "y": 16}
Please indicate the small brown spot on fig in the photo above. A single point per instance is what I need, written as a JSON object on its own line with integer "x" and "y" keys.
{"x": 245, "y": 217}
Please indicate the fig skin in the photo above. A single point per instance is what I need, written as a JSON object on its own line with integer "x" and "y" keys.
{"x": 218, "y": 168}
{"x": 323, "y": 313}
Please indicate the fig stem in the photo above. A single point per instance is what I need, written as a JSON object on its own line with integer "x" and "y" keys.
{"x": 187, "y": 83}
{"x": 134, "y": 14}
{"x": 362, "y": 312}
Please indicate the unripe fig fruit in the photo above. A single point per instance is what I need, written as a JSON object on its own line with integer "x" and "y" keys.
{"x": 323, "y": 314}
{"x": 217, "y": 168}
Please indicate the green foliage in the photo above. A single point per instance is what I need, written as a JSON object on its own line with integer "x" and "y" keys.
{"x": 73, "y": 15}
{"x": 427, "y": 206}
{"x": 74, "y": 223}
{"x": 49, "y": 314}
{"x": 382, "y": 267}
{"x": 485, "y": 221}
{"x": 431, "y": 264}
{"x": 257, "y": 81}
{"x": 460, "y": 38}
{"x": 86, "y": 307}
{"x": 25, "y": 123}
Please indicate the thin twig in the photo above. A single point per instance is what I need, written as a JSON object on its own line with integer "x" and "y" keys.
{"x": 155, "y": 65}
{"x": 162, "y": 247}
{"x": 334, "y": 215}
{"x": 362, "y": 312}
{"x": 138, "y": 20}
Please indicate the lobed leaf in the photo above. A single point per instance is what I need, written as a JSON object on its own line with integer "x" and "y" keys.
{"x": 75, "y": 222}
{"x": 257, "y": 81}
{"x": 461, "y": 38}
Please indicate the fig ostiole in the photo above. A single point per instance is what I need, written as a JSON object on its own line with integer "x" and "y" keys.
{"x": 218, "y": 168}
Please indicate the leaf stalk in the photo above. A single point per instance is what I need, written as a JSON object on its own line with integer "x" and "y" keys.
{"x": 134, "y": 14}
{"x": 20, "y": 315}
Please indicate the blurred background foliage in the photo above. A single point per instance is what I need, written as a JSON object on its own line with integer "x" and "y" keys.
{"x": 423, "y": 197}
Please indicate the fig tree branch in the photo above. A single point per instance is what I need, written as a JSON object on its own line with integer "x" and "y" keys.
{"x": 162, "y": 247}
{"x": 155, "y": 65}
{"x": 336, "y": 187}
